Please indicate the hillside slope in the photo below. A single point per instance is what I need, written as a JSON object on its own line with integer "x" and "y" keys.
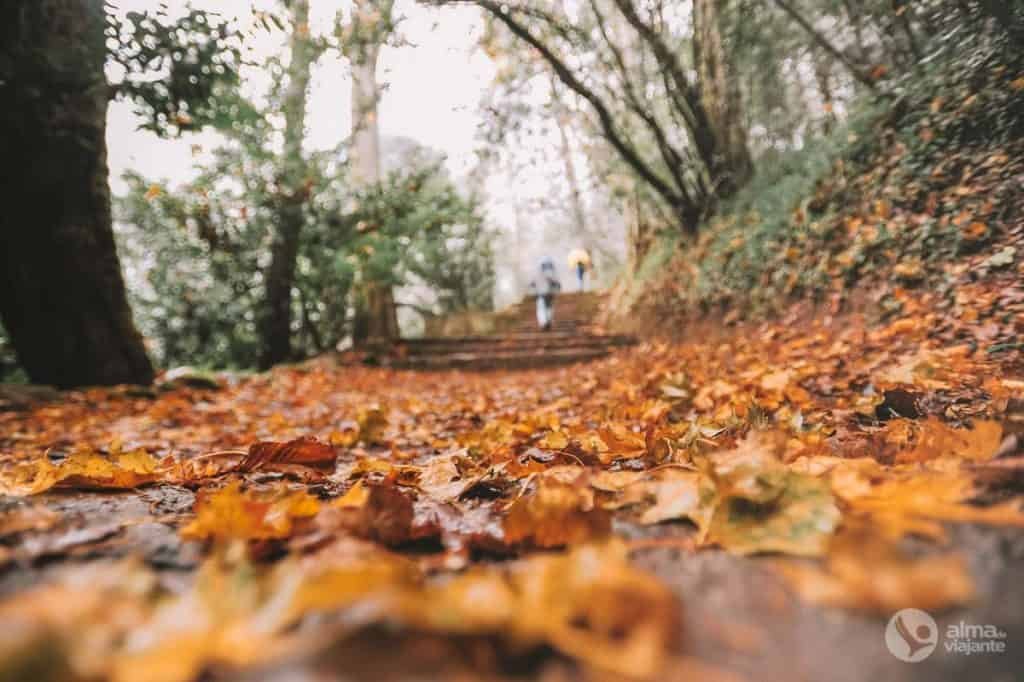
{"x": 921, "y": 191}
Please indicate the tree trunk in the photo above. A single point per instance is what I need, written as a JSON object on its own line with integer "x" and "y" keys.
{"x": 280, "y": 276}
{"x": 365, "y": 129}
{"x": 376, "y": 318}
{"x": 376, "y": 321}
{"x": 720, "y": 93}
{"x": 62, "y": 296}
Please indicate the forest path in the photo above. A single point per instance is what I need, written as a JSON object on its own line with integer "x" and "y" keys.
{"x": 712, "y": 494}
{"x": 518, "y": 343}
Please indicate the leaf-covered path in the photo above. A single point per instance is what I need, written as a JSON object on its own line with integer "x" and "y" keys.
{"x": 755, "y": 503}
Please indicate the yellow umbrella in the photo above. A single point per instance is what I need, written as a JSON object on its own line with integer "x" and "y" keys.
{"x": 579, "y": 257}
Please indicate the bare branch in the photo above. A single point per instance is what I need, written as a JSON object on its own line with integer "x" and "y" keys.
{"x": 684, "y": 206}
{"x": 824, "y": 43}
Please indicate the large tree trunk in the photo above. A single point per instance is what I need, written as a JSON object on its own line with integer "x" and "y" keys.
{"x": 376, "y": 319}
{"x": 277, "y": 325}
{"x": 720, "y": 93}
{"x": 62, "y": 297}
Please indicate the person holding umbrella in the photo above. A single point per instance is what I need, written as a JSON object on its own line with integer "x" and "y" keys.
{"x": 579, "y": 260}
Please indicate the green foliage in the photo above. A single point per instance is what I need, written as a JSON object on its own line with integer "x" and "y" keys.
{"x": 202, "y": 249}
{"x": 183, "y": 73}
{"x": 416, "y": 228}
{"x": 193, "y": 258}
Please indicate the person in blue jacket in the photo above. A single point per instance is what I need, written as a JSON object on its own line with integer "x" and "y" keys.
{"x": 545, "y": 287}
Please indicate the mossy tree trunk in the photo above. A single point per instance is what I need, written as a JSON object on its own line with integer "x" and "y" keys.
{"x": 720, "y": 94}
{"x": 62, "y": 295}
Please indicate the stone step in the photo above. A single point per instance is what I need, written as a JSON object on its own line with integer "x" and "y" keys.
{"x": 496, "y": 360}
{"x": 557, "y": 327}
{"x": 552, "y": 341}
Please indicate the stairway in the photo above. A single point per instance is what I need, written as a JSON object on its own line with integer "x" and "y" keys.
{"x": 518, "y": 343}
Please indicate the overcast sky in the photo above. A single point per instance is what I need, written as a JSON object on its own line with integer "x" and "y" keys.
{"x": 434, "y": 86}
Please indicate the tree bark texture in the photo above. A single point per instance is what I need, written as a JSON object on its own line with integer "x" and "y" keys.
{"x": 62, "y": 295}
{"x": 376, "y": 319}
{"x": 720, "y": 92}
{"x": 280, "y": 276}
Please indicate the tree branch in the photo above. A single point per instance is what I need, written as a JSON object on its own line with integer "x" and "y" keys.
{"x": 684, "y": 95}
{"x": 683, "y": 206}
{"x": 824, "y": 43}
{"x": 669, "y": 155}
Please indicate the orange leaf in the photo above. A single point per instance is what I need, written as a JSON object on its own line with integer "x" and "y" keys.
{"x": 307, "y": 451}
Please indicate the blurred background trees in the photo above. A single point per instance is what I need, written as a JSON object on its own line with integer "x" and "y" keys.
{"x": 617, "y": 125}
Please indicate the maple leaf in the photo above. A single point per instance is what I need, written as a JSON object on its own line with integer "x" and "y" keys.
{"x": 935, "y": 439}
{"x": 442, "y": 480}
{"x": 762, "y": 506}
{"x": 798, "y": 521}
{"x": 378, "y": 512}
{"x": 907, "y": 497}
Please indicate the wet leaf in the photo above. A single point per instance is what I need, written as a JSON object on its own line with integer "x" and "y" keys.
{"x": 798, "y": 521}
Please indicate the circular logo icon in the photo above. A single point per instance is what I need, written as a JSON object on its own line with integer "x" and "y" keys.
{"x": 911, "y": 635}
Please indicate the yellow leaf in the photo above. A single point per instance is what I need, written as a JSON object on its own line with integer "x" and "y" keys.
{"x": 232, "y": 513}
{"x": 82, "y": 470}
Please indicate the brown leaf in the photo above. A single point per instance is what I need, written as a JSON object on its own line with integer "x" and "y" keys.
{"x": 380, "y": 512}
{"x": 306, "y": 451}
{"x": 556, "y": 514}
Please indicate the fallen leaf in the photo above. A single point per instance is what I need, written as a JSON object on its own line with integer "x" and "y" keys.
{"x": 234, "y": 513}
{"x": 82, "y": 470}
{"x": 556, "y": 514}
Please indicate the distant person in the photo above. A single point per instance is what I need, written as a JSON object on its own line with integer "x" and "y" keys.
{"x": 579, "y": 260}
{"x": 545, "y": 287}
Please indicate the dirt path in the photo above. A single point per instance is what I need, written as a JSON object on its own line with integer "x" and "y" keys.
{"x": 780, "y": 495}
